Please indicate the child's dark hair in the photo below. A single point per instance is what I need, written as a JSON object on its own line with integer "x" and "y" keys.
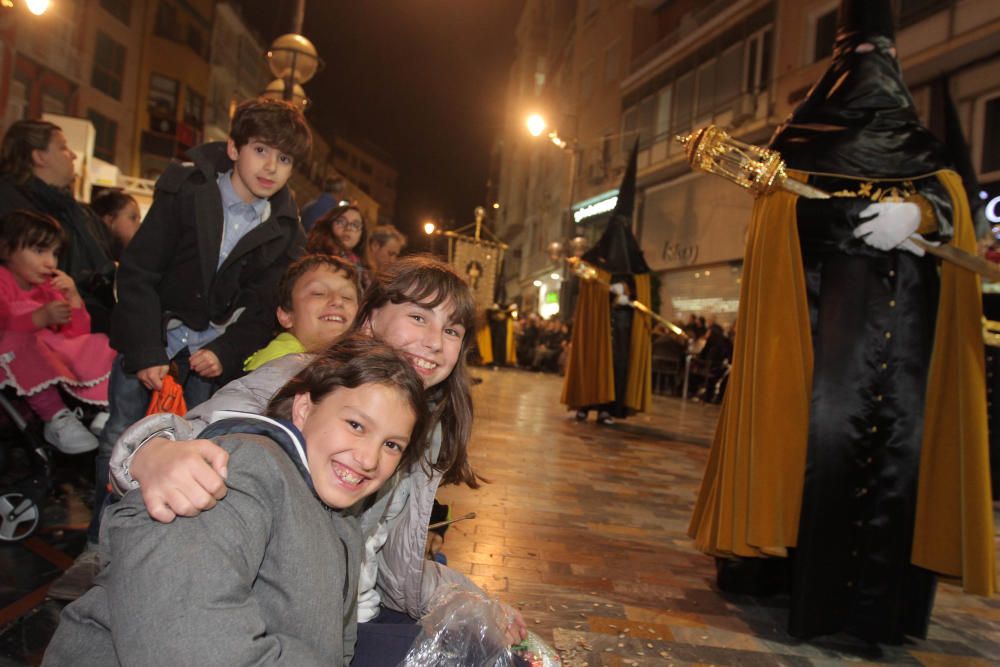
{"x": 110, "y": 202}
{"x": 429, "y": 282}
{"x": 307, "y": 263}
{"x": 28, "y": 229}
{"x": 20, "y": 140}
{"x": 350, "y": 363}
{"x": 276, "y": 123}
{"x": 322, "y": 239}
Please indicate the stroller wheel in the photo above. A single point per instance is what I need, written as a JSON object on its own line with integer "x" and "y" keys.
{"x": 18, "y": 517}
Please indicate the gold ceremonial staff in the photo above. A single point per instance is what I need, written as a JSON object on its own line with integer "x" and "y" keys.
{"x": 762, "y": 171}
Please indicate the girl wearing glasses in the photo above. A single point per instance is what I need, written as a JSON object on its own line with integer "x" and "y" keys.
{"x": 342, "y": 233}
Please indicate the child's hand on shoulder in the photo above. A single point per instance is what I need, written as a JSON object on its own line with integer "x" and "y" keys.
{"x": 65, "y": 285}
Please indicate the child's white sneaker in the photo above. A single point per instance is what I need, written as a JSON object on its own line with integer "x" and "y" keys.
{"x": 65, "y": 432}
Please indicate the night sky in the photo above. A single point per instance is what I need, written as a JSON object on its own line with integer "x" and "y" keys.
{"x": 425, "y": 80}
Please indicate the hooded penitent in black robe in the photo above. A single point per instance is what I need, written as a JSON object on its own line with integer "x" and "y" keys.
{"x": 867, "y": 360}
{"x": 609, "y": 366}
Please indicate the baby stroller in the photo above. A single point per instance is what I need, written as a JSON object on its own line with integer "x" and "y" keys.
{"x": 21, "y": 498}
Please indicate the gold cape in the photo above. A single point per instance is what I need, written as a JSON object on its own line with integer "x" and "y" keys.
{"x": 590, "y": 376}
{"x": 484, "y": 341}
{"x": 751, "y": 494}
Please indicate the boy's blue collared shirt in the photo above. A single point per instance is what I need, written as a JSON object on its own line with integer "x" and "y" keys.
{"x": 238, "y": 218}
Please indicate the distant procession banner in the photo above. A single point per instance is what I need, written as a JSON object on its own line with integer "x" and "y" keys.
{"x": 478, "y": 264}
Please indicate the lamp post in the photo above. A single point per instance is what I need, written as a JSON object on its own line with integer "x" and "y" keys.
{"x": 293, "y": 60}
{"x": 537, "y": 126}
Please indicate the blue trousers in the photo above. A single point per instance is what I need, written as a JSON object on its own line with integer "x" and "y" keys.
{"x": 387, "y": 638}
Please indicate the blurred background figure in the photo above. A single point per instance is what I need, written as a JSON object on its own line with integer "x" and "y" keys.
{"x": 120, "y": 214}
{"x": 384, "y": 245}
{"x": 330, "y": 198}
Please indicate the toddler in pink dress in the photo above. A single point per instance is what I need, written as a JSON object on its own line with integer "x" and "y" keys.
{"x": 45, "y": 339}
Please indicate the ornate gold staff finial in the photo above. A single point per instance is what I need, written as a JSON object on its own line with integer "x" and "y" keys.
{"x": 760, "y": 170}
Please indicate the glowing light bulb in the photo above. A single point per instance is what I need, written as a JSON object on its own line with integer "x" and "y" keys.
{"x": 37, "y": 7}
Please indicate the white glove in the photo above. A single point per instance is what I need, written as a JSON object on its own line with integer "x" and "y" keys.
{"x": 891, "y": 226}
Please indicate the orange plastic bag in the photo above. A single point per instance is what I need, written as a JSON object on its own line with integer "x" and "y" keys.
{"x": 169, "y": 399}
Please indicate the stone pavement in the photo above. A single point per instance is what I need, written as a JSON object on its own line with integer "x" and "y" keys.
{"x": 583, "y": 528}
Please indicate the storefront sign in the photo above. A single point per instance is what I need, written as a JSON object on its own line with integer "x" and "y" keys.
{"x": 603, "y": 203}
{"x": 692, "y": 221}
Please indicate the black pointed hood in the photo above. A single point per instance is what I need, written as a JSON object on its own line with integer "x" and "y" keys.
{"x": 859, "y": 119}
{"x": 617, "y": 251}
{"x": 865, "y": 20}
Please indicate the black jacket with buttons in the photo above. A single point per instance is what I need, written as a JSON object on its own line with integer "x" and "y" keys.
{"x": 168, "y": 271}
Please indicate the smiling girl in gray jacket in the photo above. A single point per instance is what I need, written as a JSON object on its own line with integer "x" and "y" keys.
{"x": 270, "y": 576}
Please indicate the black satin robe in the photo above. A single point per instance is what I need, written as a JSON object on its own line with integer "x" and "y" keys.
{"x": 872, "y": 316}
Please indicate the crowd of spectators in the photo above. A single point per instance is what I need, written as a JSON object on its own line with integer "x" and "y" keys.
{"x": 542, "y": 344}
{"x": 704, "y": 352}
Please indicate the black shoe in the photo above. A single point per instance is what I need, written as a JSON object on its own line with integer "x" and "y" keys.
{"x": 581, "y": 415}
{"x": 606, "y": 419}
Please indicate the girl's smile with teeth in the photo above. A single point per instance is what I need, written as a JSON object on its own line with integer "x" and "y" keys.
{"x": 423, "y": 364}
{"x": 346, "y": 474}
{"x": 423, "y": 333}
{"x": 354, "y": 439}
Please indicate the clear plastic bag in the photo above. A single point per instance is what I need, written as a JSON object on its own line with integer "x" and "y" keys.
{"x": 466, "y": 629}
{"x": 536, "y": 653}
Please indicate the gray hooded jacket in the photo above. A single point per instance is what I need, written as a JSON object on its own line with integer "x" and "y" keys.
{"x": 406, "y": 580}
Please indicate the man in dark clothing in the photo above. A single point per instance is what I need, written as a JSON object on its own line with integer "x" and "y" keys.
{"x": 36, "y": 172}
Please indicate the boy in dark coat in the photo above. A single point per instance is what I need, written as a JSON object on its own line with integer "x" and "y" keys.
{"x": 197, "y": 286}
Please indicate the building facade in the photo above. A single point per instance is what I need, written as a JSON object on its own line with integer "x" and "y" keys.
{"x": 370, "y": 174}
{"x": 740, "y": 64}
{"x": 154, "y": 78}
{"x": 570, "y": 58}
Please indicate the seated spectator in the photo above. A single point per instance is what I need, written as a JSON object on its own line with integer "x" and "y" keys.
{"x": 271, "y": 575}
{"x": 36, "y": 172}
{"x": 317, "y": 302}
{"x": 711, "y": 364}
{"x": 549, "y": 345}
{"x": 45, "y": 339}
{"x": 526, "y": 333}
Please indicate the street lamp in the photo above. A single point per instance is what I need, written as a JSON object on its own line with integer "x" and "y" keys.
{"x": 36, "y": 7}
{"x": 293, "y": 60}
{"x": 535, "y": 124}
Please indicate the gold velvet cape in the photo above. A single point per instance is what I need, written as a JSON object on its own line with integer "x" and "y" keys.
{"x": 751, "y": 494}
{"x": 590, "y": 378}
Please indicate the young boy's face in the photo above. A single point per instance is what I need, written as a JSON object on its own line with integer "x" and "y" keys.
{"x": 355, "y": 439}
{"x": 259, "y": 170}
{"x": 324, "y": 304}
